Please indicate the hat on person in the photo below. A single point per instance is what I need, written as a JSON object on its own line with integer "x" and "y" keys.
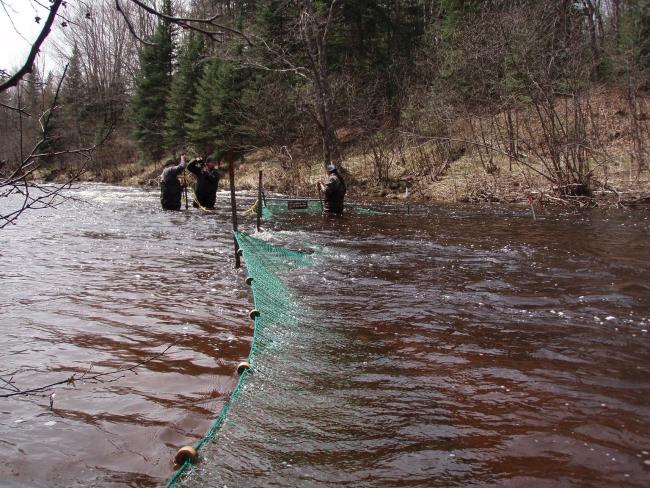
{"x": 331, "y": 168}
{"x": 169, "y": 162}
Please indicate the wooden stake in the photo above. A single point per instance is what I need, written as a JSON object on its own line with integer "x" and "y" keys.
{"x": 408, "y": 201}
{"x": 320, "y": 199}
{"x": 233, "y": 202}
{"x": 259, "y": 202}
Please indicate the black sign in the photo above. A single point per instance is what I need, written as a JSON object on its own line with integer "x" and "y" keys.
{"x": 297, "y": 204}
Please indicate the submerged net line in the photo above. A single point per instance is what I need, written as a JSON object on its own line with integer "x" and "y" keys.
{"x": 282, "y": 206}
{"x": 276, "y": 306}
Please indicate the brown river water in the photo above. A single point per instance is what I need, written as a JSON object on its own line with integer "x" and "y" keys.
{"x": 460, "y": 346}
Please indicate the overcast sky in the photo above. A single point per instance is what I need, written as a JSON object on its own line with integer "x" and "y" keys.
{"x": 18, "y": 31}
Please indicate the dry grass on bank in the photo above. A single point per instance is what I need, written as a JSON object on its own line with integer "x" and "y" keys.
{"x": 436, "y": 170}
{"x": 470, "y": 172}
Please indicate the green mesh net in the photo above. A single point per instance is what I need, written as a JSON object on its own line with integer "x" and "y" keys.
{"x": 308, "y": 206}
{"x": 276, "y": 305}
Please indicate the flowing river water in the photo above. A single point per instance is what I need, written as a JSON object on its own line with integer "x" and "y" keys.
{"x": 461, "y": 346}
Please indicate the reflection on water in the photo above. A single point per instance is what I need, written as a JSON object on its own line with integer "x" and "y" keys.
{"x": 466, "y": 347}
{"x": 109, "y": 283}
{"x": 461, "y": 347}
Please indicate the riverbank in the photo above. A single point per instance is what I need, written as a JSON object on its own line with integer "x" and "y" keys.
{"x": 475, "y": 162}
{"x": 465, "y": 181}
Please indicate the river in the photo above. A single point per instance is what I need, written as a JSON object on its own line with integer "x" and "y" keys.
{"x": 460, "y": 346}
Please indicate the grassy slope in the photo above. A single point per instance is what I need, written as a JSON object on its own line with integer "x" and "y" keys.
{"x": 466, "y": 178}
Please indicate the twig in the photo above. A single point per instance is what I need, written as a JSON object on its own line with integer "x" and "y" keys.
{"x": 71, "y": 380}
{"x": 187, "y": 23}
{"x": 129, "y": 25}
{"x": 16, "y": 109}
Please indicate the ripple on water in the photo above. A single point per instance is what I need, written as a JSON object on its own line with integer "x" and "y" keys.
{"x": 453, "y": 348}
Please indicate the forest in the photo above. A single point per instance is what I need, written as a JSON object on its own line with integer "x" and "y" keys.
{"x": 457, "y": 100}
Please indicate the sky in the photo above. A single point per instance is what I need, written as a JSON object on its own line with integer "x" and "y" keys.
{"x": 18, "y": 31}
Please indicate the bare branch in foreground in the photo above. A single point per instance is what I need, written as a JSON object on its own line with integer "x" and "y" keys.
{"x": 29, "y": 63}
{"x": 19, "y": 180}
{"x": 106, "y": 377}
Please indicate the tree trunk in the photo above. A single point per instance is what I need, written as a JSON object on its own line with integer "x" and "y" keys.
{"x": 314, "y": 34}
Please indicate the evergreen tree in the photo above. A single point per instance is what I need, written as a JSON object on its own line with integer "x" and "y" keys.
{"x": 453, "y": 11}
{"x": 636, "y": 33}
{"x": 380, "y": 39}
{"x": 32, "y": 93}
{"x": 73, "y": 99}
{"x": 152, "y": 84}
{"x": 32, "y": 101}
{"x": 204, "y": 119}
{"x": 217, "y": 117}
{"x": 182, "y": 94}
{"x": 272, "y": 20}
{"x": 233, "y": 82}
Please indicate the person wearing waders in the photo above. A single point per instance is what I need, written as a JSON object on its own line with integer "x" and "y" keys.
{"x": 207, "y": 181}
{"x": 171, "y": 189}
{"x": 333, "y": 191}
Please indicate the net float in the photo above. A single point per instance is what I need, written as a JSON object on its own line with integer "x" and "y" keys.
{"x": 184, "y": 454}
{"x": 254, "y": 314}
{"x": 249, "y": 281}
{"x": 243, "y": 366}
{"x": 240, "y": 252}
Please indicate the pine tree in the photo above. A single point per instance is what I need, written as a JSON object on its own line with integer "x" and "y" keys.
{"x": 204, "y": 118}
{"x": 182, "y": 96}
{"x": 272, "y": 21}
{"x": 636, "y": 32}
{"x": 453, "y": 11}
{"x": 382, "y": 39}
{"x": 73, "y": 99}
{"x": 32, "y": 101}
{"x": 152, "y": 84}
{"x": 217, "y": 117}
{"x": 234, "y": 82}
{"x": 32, "y": 93}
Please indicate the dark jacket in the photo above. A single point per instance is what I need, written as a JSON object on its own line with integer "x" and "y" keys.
{"x": 171, "y": 189}
{"x": 207, "y": 181}
{"x": 334, "y": 192}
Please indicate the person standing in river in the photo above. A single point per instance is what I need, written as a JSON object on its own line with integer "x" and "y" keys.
{"x": 333, "y": 189}
{"x": 207, "y": 181}
{"x": 171, "y": 189}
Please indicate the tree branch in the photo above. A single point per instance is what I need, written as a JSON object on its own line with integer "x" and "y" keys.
{"x": 129, "y": 25}
{"x": 16, "y": 109}
{"x": 29, "y": 63}
{"x": 186, "y": 23}
{"x": 71, "y": 380}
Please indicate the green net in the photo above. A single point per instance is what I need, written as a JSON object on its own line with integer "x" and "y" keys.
{"x": 277, "y": 308}
{"x": 308, "y": 206}
{"x": 272, "y": 207}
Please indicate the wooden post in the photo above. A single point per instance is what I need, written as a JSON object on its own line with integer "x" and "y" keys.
{"x": 532, "y": 207}
{"x": 408, "y": 202}
{"x": 259, "y": 202}
{"x": 185, "y": 186}
{"x": 233, "y": 202}
{"x": 320, "y": 199}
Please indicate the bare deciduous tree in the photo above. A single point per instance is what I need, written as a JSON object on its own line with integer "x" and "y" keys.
{"x": 314, "y": 31}
{"x": 17, "y": 178}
